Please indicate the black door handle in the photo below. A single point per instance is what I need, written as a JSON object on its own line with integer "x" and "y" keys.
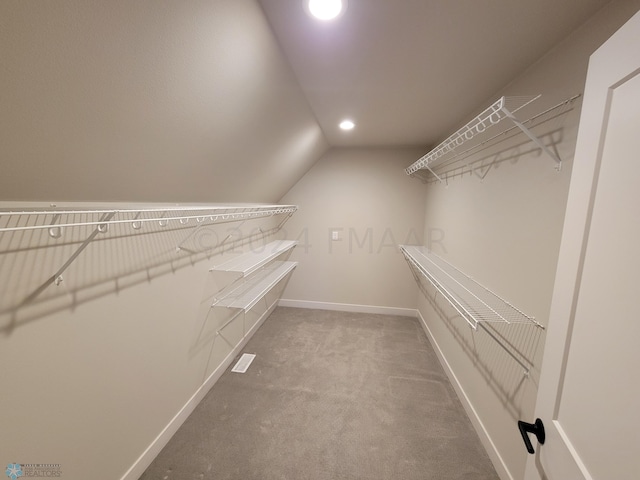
{"x": 536, "y": 428}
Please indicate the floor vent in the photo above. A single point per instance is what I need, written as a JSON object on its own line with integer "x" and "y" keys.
{"x": 243, "y": 364}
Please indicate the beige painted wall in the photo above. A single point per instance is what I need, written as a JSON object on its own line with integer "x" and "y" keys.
{"x": 364, "y": 195}
{"x": 95, "y": 368}
{"x": 153, "y": 101}
{"x": 148, "y": 101}
{"x": 505, "y": 231}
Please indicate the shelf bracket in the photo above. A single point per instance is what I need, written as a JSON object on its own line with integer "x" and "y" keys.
{"x": 56, "y": 278}
{"x": 533, "y": 138}
{"x": 180, "y": 246}
{"x": 433, "y": 173}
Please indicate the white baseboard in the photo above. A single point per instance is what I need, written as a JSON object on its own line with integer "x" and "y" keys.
{"x": 152, "y": 451}
{"x": 487, "y": 443}
{"x": 349, "y": 307}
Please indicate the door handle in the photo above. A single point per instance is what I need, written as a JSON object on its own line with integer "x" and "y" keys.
{"x": 536, "y": 428}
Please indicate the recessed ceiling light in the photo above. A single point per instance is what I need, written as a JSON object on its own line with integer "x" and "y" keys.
{"x": 347, "y": 125}
{"x": 325, "y": 9}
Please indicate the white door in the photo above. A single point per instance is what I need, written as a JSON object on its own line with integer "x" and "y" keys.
{"x": 589, "y": 395}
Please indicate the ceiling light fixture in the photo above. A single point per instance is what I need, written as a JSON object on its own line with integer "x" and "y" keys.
{"x": 325, "y": 9}
{"x": 347, "y": 125}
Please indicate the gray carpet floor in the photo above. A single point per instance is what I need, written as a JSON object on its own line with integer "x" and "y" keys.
{"x": 330, "y": 395}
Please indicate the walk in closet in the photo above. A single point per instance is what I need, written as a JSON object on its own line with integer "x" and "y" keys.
{"x": 384, "y": 206}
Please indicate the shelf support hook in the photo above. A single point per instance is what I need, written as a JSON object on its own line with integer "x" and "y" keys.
{"x": 54, "y": 230}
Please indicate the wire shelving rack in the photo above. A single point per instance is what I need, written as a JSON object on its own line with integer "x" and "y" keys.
{"x": 56, "y": 220}
{"x": 485, "y": 128}
{"x": 22, "y": 228}
{"x": 474, "y": 302}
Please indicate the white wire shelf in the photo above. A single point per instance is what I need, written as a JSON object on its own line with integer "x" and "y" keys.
{"x": 483, "y": 128}
{"x": 247, "y": 294}
{"x": 35, "y": 228}
{"x": 257, "y": 258}
{"x": 56, "y": 220}
{"x": 474, "y": 302}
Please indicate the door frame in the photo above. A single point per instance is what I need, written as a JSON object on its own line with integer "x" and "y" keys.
{"x": 604, "y": 74}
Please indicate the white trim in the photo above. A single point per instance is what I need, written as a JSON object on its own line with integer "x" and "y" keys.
{"x": 487, "y": 443}
{"x": 152, "y": 451}
{"x": 349, "y": 307}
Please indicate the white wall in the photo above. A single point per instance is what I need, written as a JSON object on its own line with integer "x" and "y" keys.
{"x": 148, "y": 101}
{"x": 505, "y": 231}
{"x": 97, "y": 367}
{"x": 365, "y": 196}
{"x": 119, "y": 101}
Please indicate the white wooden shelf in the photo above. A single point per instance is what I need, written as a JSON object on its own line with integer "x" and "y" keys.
{"x": 247, "y": 294}
{"x": 475, "y": 303}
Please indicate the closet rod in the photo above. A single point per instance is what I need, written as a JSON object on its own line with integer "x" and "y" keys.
{"x": 186, "y": 208}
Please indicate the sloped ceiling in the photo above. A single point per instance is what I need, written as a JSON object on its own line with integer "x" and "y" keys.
{"x": 234, "y": 100}
{"x": 408, "y": 71}
{"x": 148, "y": 101}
